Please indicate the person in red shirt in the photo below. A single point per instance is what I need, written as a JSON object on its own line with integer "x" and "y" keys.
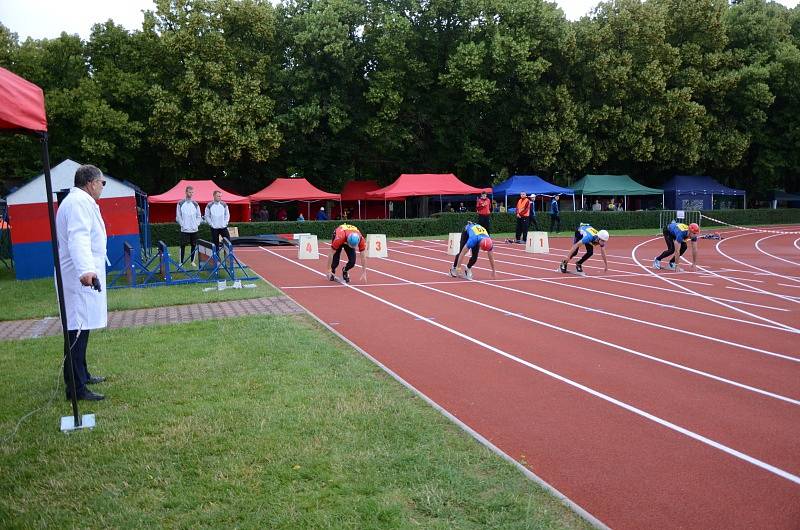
{"x": 484, "y": 209}
{"x": 347, "y": 237}
{"x": 523, "y": 217}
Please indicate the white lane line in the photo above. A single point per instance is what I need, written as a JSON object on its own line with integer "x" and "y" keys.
{"x": 791, "y": 297}
{"x": 797, "y": 243}
{"x": 737, "y": 309}
{"x": 600, "y": 311}
{"x": 605, "y": 397}
{"x": 773, "y": 255}
{"x": 788, "y": 285}
{"x": 719, "y": 250}
{"x": 639, "y": 300}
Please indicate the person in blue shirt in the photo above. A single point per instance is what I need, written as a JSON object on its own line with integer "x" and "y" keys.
{"x": 474, "y": 238}
{"x": 678, "y": 233}
{"x": 589, "y": 237}
{"x": 321, "y": 215}
{"x": 555, "y": 217}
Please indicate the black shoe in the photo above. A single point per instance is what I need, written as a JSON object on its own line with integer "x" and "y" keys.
{"x": 88, "y": 395}
{"x": 346, "y": 277}
{"x": 332, "y": 277}
{"x": 563, "y": 267}
{"x": 95, "y": 379}
{"x": 579, "y": 267}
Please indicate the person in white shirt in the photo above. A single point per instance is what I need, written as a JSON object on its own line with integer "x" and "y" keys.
{"x": 188, "y": 217}
{"x": 217, "y": 216}
{"x": 82, "y": 254}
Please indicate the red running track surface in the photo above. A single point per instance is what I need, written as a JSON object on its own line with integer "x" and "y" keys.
{"x": 649, "y": 398}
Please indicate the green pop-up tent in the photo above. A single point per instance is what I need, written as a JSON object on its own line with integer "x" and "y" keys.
{"x": 613, "y": 185}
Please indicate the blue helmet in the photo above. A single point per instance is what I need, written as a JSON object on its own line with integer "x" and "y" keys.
{"x": 353, "y": 239}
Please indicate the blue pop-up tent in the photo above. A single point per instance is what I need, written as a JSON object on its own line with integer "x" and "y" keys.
{"x": 530, "y": 184}
{"x": 685, "y": 192}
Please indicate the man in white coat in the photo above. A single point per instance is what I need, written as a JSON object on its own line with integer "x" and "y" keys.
{"x": 82, "y": 254}
{"x": 188, "y": 217}
{"x": 217, "y": 216}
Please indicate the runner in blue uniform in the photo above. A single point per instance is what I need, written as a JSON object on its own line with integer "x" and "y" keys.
{"x": 589, "y": 237}
{"x": 474, "y": 238}
{"x": 678, "y": 233}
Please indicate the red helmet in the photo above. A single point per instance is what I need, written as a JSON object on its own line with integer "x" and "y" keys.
{"x": 694, "y": 228}
{"x": 486, "y": 243}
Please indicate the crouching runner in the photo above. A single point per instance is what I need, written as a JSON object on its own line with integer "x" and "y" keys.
{"x": 474, "y": 238}
{"x": 678, "y": 233}
{"x": 589, "y": 237}
{"x": 347, "y": 237}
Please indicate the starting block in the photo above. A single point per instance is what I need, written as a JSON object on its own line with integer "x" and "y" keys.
{"x": 376, "y": 246}
{"x": 453, "y": 243}
{"x": 537, "y": 243}
{"x": 308, "y": 247}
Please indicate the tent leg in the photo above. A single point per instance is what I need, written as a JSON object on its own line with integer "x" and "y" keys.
{"x": 712, "y": 201}
{"x": 59, "y": 280}
{"x": 405, "y": 209}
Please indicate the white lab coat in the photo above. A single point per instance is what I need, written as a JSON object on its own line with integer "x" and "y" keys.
{"x": 81, "y": 249}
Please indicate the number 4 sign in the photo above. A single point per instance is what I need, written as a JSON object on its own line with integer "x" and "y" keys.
{"x": 308, "y": 248}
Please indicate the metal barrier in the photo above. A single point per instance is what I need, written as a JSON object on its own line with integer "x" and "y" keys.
{"x": 215, "y": 265}
{"x": 665, "y": 217}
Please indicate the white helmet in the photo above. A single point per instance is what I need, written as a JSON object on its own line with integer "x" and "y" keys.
{"x": 603, "y": 235}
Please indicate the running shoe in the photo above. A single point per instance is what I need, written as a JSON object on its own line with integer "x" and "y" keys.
{"x": 332, "y": 277}
{"x": 453, "y": 272}
{"x": 656, "y": 264}
{"x": 346, "y": 277}
{"x": 579, "y": 268}
{"x": 563, "y": 266}
{"x": 467, "y": 272}
{"x": 672, "y": 265}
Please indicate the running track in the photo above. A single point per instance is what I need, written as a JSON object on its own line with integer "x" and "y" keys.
{"x": 649, "y": 399}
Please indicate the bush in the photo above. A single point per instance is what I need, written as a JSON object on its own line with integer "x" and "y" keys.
{"x": 443, "y": 223}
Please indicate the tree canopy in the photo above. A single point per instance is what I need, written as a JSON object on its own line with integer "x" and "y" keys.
{"x": 341, "y": 89}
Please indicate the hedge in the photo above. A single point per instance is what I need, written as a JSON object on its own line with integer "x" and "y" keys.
{"x": 444, "y": 223}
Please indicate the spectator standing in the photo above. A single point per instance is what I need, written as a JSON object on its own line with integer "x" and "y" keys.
{"x": 188, "y": 217}
{"x": 217, "y": 216}
{"x": 321, "y": 215}
{"x": 484, "y": 208}
{"x": 596, "y": 207}
{"x": 523, "y": 217}
{"x": 555, "y": 214}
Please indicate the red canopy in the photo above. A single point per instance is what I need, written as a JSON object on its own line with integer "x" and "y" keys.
{"x": 356, "y": 190}
{"x": 412, "y": 185}
{"x": 21, "y": 104}
{"x": 203, "y": 192}
{"x": 299, "y": 189}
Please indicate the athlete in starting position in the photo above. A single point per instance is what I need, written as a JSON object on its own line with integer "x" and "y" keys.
{"x": 474, "y": 238}
{"x": 347, "y": 237}
{"x": 588, "y": 236}
{"x": 678, "y": 233}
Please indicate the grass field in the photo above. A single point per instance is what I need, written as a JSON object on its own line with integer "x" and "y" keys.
{"x": 257, "y": 422}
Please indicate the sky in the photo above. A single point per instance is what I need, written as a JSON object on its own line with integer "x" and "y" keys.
{"x": 48, "y": 18}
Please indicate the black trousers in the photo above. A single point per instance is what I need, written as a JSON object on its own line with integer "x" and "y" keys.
{"x": 522, "y": 228}
{"x": 216, "y": 233}
{"x": 485, "y": 221}
{"x": 351, "y": 258}
{"x": 555, "y": 222}
{"x": 475, "y": 251}
{"x": 78, "y": 344}
{"x": 589, "y": 248}
{"x": 670, "y": 239}
{"x": 191, "y": 238}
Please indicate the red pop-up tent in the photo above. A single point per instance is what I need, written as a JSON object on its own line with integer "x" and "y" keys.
{"x": 355, "y": 191}
{"x": 424, "y": 184}
{"x": 22, "y": 110}
{"x": 294, "y": 189}
{"x": 162, "y": 207}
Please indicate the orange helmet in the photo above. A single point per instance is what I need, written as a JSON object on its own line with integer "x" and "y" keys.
{"x": 694, "y": 228}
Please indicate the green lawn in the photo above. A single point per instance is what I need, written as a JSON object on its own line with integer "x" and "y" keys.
{"x": 257, "y": 422}
{"x": 37, "y": 299}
